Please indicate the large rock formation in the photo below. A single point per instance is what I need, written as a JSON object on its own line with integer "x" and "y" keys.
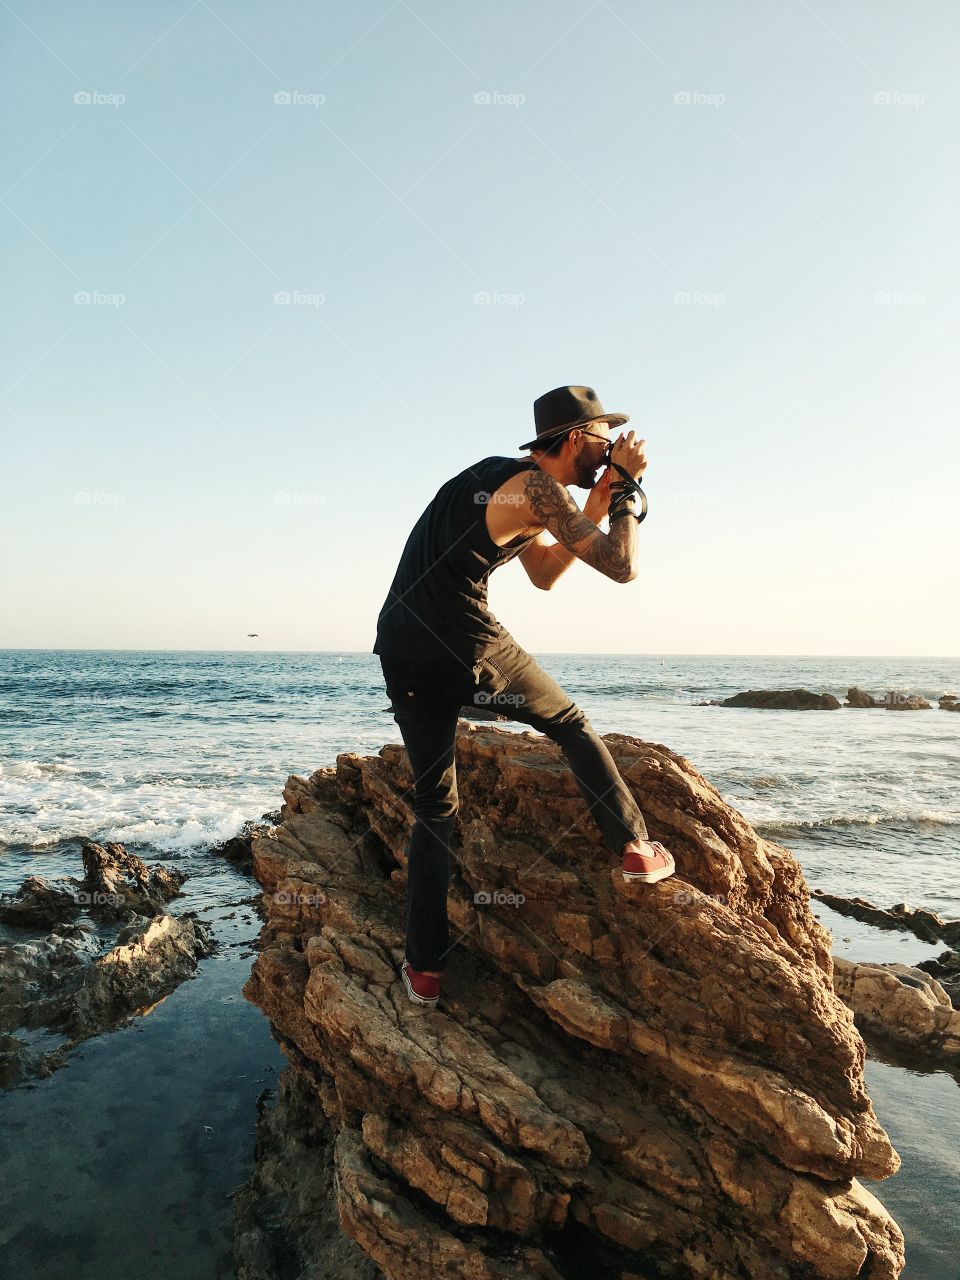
{"x": 621, "y": 1080}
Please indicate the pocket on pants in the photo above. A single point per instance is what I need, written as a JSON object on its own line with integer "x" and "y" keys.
{"x": 411, "y": 685}
{"x": 492, "y": 687}
{"x": 404, "y": 687}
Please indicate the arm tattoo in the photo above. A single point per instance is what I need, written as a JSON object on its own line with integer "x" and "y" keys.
{"x": 612, "y": 554}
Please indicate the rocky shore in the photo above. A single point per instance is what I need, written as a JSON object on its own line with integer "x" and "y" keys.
{"x": 83, "y": 953}
{"x": 621, "y": 1080}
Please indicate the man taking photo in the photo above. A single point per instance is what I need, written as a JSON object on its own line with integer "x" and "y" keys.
{"x": 441, "y": 648}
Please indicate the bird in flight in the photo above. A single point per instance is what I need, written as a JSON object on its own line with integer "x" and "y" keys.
{"x": 251, "y": 635}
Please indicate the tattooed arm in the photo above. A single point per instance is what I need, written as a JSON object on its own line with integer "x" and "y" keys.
{"x": 613, "y": 554}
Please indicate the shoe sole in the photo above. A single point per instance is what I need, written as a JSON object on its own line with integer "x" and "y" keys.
{"x": 649, "y": 877}
{"x": 413, "y": 995}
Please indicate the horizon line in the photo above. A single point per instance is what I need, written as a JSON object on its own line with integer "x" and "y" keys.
{"x": 578, "y": 653}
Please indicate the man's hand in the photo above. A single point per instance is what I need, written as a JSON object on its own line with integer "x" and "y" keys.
{"x": 628, "y": 452}
{"x": 613, "y": 554}
{"x": 598, "y": 499}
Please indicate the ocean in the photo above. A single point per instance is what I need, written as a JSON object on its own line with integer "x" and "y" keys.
{"x": 170, "y": 752}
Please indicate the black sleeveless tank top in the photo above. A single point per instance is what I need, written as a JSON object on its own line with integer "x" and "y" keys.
{"x": 436, "y": 607}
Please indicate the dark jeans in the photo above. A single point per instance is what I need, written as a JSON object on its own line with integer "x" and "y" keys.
{"x": 426, "y": 697}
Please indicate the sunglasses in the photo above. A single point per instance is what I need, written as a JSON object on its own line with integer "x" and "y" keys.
{"x": 609, "y": 443}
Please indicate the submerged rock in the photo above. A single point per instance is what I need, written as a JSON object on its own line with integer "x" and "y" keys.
{"x": 620, "y": 1079}
{"x": 39, "y": 978}
{"x": 285, "y": 1218}
{"x": 917, "y": 920}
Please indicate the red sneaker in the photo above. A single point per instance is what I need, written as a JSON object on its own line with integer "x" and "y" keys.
{"x": 649, "y": 867}
{"x": 421, "y": 987}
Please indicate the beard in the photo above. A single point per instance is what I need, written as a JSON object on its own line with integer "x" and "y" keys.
{"x": 586, "y": 475}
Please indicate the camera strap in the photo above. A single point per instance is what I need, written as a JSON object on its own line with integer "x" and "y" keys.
{"x": 635, "y": 486}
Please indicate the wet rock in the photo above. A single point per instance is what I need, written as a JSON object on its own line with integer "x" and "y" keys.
{"x": 655, "y": 1079}
{"x": 40, "y": 978}
{"x": 116, "y": 882}
{"x": 40, "y": 903}
{"x": 63, "y": 981}
{"x": 948, "y": 702}
{"x": 917, "y": 920}
{"x": 903, "y": 1002}
{"x": 896, "y": 701}
{"x": 782, "y": 700}
{"x": 285, "y": 1219}
{"x": 946, "y": 969}
{"x": 238, "y": 848}
{"x": 151, "y": 958}
{"x": 857, "y": 698}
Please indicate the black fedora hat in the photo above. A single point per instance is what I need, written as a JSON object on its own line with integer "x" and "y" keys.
{"x": 567, "y": 407}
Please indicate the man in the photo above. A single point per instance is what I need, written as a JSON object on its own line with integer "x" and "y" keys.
{"x": 440, "y": 647}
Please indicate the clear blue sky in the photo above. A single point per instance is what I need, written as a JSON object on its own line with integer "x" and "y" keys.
{"x": 186, "y": 460}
